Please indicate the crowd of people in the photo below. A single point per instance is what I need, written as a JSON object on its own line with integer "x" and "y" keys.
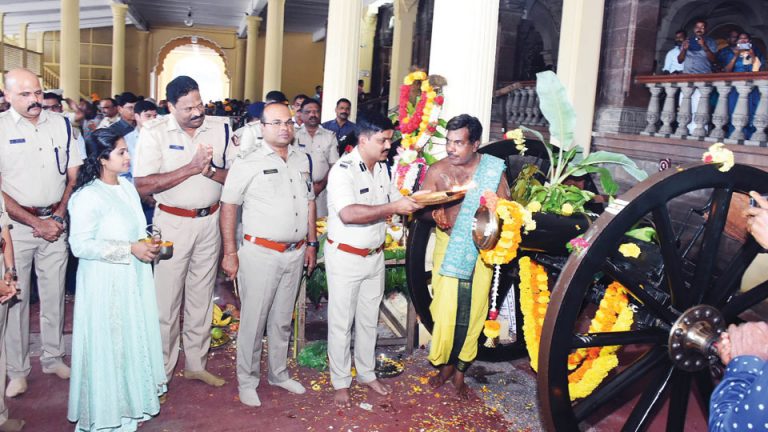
{"x": 208, "y": 189}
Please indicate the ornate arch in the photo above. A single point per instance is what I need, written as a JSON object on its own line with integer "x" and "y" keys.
{"x": 188, "y": 40}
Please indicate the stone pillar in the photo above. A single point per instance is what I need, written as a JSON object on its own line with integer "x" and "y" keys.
{"x": 720, "y": 117}
{"x": 668, "y": 112}
{"x": 118, "y": 47}
{"x": 652, "y": 116}
{"x": 367, "y": 34}
{"x": 761, "y": 114}
{"x": 466, "y": 59}
{"x": 701, "y": 117}
{"x": 342, "y": 49}
{"x": 69, "y": 53}
{"x": 629, "y": 50}
{"x": 402, "y": 46}
{"x": 142, "y": 64}
{"x": 238, "y": 69}
{"x": 684, "y": 115}
{"x": 250, "y": 59}
{"x": 740, "y": 116}
{"x": 23, "y": 43}
{"x": 273, "y": 49}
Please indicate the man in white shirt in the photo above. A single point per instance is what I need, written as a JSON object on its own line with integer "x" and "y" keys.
{"x": 671, "y": 65}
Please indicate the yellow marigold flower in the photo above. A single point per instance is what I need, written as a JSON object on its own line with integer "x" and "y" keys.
{"x": 566, "y": 209}
{"x": 630, "y": 250}
{"x": 515, "y": 134}
{"x": 425, "y": 86}
{"x": 431, "y": 94}
{"x": 408, "y": 80}
{"x": 717, "y": 153}
{"x": 492, "y": 329}
{"x": 420, "y": 75}
{"x": 533, "y": 206}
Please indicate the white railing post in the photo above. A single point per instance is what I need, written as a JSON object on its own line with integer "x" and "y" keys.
{"x": 740, "y": 116}
{"x": 652, "y": 116}
{"x": 668, "y": 111}
{"x": 720, "y": 117}
{"x": 684, "y": 116}
{"x": 702, "y": 115}
{"x": 761, "y": 114}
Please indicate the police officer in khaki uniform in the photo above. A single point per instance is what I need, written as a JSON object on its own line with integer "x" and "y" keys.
{"x": 39, "y": 161}
{"x": 321, "y": 144}
{"x": 273, "y": 183}
{"x": 181, "y": 158}
{"x": 360, "y": 198}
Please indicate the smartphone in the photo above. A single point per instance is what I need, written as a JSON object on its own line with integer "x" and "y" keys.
{"x": 753, "y": 203}
{"x": 744, "y": 46}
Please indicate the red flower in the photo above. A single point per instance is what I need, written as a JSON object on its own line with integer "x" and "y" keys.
{"x": 482, "y": 201}
{"x": 348, "y": 148}
{"x": 708, "y": 159}
{"x": 431, "y": 128}
{"x": 493, "y": 314}
{"x": 439, "y": 100}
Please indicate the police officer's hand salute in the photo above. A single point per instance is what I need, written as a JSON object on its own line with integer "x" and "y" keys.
{"x": 202, "y": 159}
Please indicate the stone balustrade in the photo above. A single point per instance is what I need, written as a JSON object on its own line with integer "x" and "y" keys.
{"x": 517, "y": 104}
{"x": 697, "y": 107}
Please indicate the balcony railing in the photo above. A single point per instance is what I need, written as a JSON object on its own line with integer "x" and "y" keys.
{"x": 671, "y": 108}
{"x": 517, "y": 104}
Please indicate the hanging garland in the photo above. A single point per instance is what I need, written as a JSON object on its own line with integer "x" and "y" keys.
{"x": 589, "y": 366}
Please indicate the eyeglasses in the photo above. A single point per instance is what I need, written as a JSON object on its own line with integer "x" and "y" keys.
{"x": 278, "y": 124}
{"x": 48, "y": 107}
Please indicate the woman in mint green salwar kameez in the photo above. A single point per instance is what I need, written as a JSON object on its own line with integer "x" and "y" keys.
{"x": 117, "y": 358}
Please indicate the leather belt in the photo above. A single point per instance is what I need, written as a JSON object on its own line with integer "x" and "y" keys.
{"x": 42, "y": 211}
{"x": 357, "y": 251}
{"x": 194, "y": 213}
{"x": 276, "y": 246}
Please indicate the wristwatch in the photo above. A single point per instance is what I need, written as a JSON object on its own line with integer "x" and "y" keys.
{"x": 211, "y": 172}
{"x": 58, "y": 219}
{"x": 314, "y": 244}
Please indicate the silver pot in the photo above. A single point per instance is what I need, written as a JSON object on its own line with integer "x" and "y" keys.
{"x": 166, "y": 251}
{"x": 485, "y": 228}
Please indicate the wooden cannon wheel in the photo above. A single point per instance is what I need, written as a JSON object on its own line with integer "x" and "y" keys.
{"x": 653, "y": 387}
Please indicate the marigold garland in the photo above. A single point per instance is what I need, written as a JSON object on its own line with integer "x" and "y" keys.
{"x": 513, "y": 217}
{"x": 589, "y": 366}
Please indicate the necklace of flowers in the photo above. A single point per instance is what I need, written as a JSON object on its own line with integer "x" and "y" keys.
{"x": 514, "y": 218}
{"x": 425, "y": 113}
{"x": 589, "y": 366}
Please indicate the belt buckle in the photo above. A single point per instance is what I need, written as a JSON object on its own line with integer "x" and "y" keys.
{"x": 372, "y": 251}
{"x": 44, "y": 211}
{"x": 291, "y": 247}
{"x": 203, "y": 212}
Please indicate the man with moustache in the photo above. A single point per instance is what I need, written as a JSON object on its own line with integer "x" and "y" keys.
{"x": 671, "y": 65}
{"x": 272, "y": 183}
{"x": 181, "y": 159}
{"x": 341, "y": 126}
{"x": 39, "y": 160}
{"x": 697, "y": 54}
{"x": 321, "y": 145}
{"x": 460, "y": 284}
{"x": 109, "y": 112}
{"x": 296, "y": 107}
{"x": 360, "y": 199}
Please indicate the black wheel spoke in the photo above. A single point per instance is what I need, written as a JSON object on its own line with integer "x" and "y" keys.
{"x": 680, "y": 389}
{"x": 710, "y": 245}
{"x": 744, "y": 301}
{"x": 636, "y": 289}
{"x": 585, "y": 340}
{"x": 649, "y": 403}
{"x": 610, "y": 390}
{"x": 730, "y": 278}
{"x": 673, "y": 269}
{"x": 705, "y": 386}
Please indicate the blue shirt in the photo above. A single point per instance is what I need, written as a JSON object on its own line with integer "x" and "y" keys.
{"x": 696, "y": 60}
{"x": 740, "y": 401}
{"x": 342, "y": 132}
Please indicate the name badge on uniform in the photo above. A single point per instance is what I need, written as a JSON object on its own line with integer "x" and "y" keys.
{"x": 18, "y": 141}
{"x": 302, "y": 145}
{"x": 271, "y": 171}
{"x": 362, "y": 191}
{"x": 176, "y": 147}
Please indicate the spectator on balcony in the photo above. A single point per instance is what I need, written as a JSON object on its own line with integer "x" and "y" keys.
{"x": 697, "y": 53}
{"x": 723, "y": 55}
{"x": 742, "y": 57}
{"x": 671, "y": 65}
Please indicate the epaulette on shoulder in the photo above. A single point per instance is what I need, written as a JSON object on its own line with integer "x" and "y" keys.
{"x": 217, "y": 119}
{"x": 246, "y": 152}
{"x": 156, "y": 122}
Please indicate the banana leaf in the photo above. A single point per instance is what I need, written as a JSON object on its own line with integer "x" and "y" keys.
{"x": 556, "y": 108}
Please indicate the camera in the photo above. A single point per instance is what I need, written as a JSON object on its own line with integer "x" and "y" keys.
{"x": 744, "y": 46}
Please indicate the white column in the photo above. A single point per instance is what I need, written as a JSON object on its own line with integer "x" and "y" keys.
{"x": 118, "y": 47}
{"x": 69, "y": 54}
{"x": 142, "y": 63}
{"x": 367, "y": 35}
{"x": 342, "y": 51}
{"x": 581, "y": 30}
{"x": 402, "y": 46}
{"x": 23, "y": 43}
{"x": 2, "y": 48}
{"x": 467, "y": 59}
{"x": 250, "y": 58}
{"x": 273, "y": 49}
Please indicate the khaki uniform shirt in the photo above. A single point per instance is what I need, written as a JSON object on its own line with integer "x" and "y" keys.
{"x": 163, "y": 146}
{"x": 274, "y": 193}
{"x": 28, "y": 157}
{"x": 249, "y": 138}
{"x": 323, "y": 148}
{"x": 349, "y": 183}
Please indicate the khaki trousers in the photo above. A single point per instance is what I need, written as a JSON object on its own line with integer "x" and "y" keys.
{"x": 355, "y": 289}
{"x": 191, "y": 275}
{"x": 269, "y": 283}
{"x": 50, "y": 260}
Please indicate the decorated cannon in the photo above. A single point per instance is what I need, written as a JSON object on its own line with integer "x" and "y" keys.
{"x": 620, "y": 328}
